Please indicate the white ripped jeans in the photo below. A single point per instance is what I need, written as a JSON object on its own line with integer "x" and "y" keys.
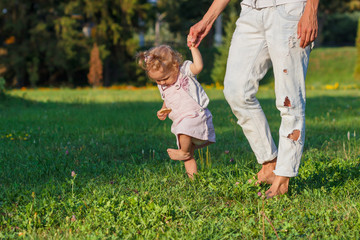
{"x": 263, "y": 38}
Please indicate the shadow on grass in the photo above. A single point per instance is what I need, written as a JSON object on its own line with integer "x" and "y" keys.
{"x": 105, "y": 140}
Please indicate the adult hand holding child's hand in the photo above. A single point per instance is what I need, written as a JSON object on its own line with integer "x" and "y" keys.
{"x": 190, "y": 43}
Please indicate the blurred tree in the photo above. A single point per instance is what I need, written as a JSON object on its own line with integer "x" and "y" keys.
{"x": 332, "y": 6}
{"x": 354, "y": 5}
{"x": 43, "y": 47}
{"x": 340, "y": 29}
{"x": 218, "y": 71}
{"x": 329, "y": 8}
{"x": 2, "y": 87}
{"x": 14, "y": 32}
{"x": 357, "y": 65}
{"x": 95, "y": 75}
{"x": 69, "y": 57}
{"x": 181, "y": 15}
{"x": 336, "y": 6}
{"x": 48, "y": 42}
{"x": 115, "y": 26}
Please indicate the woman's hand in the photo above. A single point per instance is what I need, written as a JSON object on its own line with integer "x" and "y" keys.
{"x": 197, "y": 33}
{"x": 202, "y": 28}
{"x": 308, "y": 24}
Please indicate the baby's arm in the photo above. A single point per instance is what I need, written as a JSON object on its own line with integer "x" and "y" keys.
{"x": 197, "y": 64}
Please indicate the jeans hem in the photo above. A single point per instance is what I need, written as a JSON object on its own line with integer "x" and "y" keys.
{"x": 285, "y": 173}
{"x": 272, "y": 157}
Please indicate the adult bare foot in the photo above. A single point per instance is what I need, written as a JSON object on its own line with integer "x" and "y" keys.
{"x": 177, "y": 154}
{"x": 266, "y": 174}
{"x": 280, "y": 186}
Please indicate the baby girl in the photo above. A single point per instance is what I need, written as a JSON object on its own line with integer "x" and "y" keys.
{"x": 185, "y": 101}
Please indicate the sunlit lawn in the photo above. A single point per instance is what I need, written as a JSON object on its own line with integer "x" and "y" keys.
{"x": 127, "y": 187}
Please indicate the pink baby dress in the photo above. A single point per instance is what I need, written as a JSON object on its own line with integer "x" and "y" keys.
{"x": 188, "y": 102}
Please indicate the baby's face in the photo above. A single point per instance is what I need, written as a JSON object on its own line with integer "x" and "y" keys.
{"x": 163, "y": 78}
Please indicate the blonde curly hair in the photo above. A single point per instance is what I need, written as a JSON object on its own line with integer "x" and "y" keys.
{"x": 162, "y": 58}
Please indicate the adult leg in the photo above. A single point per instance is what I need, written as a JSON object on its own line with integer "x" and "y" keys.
{"x": 290, "y": 63}
{"x": 247, "y": 64}
{"x": 266, "y": 173}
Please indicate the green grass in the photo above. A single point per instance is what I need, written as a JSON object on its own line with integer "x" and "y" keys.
{"x": 126, "y": 187}
{"x": 332, "y": 65}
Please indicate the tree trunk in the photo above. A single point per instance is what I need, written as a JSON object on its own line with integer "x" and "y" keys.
{"x": 20, "y": 78}
{"x": 107, "y": 72}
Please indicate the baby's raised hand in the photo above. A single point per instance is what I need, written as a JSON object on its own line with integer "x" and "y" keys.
{"x": 162, "y": 113}
{"x": 190, "y": 42}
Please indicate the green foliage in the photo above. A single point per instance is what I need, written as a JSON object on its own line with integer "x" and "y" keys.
{"x": 32, "y": 70}
{"x": 125, "y": 187}
{"x": 357, "y": 66}
{"x": 208, "y": 55}
{"x": 2, "y": 88}
{"x": 2, "y": 84}
{"x": 50, "y": 46}
{"x": 340, "y": 29}
{"x": 218, "y": 72}
{"x": 46, "y": 43}
{"x": 181, "y": 15}
{"x": 115, "y": 24}
{"x": 334, "y": 6}
{"x": 327, "y": 66}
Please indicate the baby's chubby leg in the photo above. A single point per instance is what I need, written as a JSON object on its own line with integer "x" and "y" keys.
{"x": 185, "y": 152}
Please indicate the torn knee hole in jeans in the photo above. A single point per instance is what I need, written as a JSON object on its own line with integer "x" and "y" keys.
{"x": 294, "y": 135}
{"x": 287, "y": 102}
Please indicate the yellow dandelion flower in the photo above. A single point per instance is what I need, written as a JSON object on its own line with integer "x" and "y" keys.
{"x": 11, "y": 139}
{"x": 331, "y": 87}
{"x": 218, "y": 86}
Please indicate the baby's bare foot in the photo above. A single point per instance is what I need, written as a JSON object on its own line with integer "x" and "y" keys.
{"x": 177, "y": 154}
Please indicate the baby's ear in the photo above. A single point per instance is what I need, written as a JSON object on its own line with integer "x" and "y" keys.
{"x": 175, "y": 67}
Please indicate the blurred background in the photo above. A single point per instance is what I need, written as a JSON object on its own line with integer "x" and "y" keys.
{"x": 77, "y": 43}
